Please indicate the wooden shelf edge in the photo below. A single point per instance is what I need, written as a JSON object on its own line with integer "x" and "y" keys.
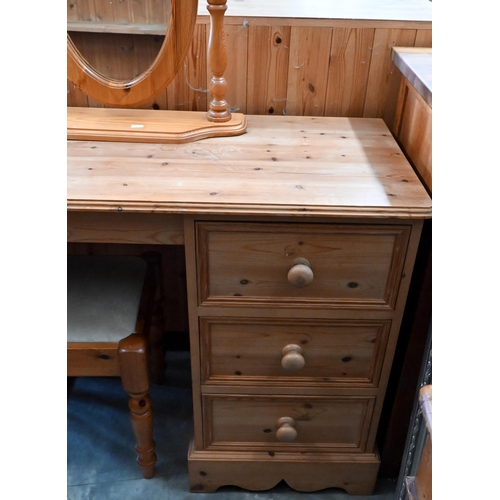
{"x": 118, "y": 28}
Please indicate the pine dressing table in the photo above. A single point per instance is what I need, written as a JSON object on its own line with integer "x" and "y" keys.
{"x": 300, "y": 239}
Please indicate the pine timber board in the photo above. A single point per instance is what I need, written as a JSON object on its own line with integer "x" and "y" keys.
{"x": 281, "y": 166}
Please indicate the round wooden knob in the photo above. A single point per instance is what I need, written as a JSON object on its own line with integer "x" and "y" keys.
{"x": 300, "y": 274}
{"x": 292, "y": 360}
{"x": 286, "y": 432}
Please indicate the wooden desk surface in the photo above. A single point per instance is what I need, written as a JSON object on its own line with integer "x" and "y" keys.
{"x": 282, "y": 165}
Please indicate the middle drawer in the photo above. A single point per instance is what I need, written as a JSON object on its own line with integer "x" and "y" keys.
{"x": 277, "y": 351}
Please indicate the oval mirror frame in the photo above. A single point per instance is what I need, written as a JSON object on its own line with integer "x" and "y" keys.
{"x": 122, "y": 93}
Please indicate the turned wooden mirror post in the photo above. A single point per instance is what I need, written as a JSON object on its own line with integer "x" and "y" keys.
{"x": 217, "y": 58}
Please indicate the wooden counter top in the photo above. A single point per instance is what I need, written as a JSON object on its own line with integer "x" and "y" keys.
{"x": 415, "y": 63}
{"x": 281, "y": 166}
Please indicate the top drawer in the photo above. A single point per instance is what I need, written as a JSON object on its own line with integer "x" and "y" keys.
{"x": 285, "y": 265}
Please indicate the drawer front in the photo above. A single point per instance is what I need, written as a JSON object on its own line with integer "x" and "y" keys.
{"x": 260, "y": 423}
{"x": 288, "y": 265}
{"x": 307, "y": 352}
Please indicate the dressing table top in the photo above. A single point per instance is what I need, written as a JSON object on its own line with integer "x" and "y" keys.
{"x": 306, "y": 166}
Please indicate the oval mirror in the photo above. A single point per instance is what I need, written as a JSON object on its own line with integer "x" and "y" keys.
{"x": 150, "y": 78}
{"x": 120, "y": 39}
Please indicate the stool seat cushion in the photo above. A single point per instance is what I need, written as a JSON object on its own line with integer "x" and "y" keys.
{"x": 104, "y": 295}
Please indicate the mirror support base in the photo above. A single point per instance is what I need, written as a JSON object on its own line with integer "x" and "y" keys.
{"x": 145, "y": 125}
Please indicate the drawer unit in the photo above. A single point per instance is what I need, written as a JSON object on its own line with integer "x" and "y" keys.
{"x": 295, "y": 329}
{"x": 300, "y": 240}
{"x": 287, "y": 423}
{"x": 304, "y": 352}
{"x": 305, "y": 265}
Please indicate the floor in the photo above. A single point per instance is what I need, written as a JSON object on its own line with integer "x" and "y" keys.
{"x": 101, "y": 458}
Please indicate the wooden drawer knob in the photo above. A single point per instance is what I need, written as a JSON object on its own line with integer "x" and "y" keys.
{"x": 286, "y": 432}
{"x": 300, "y": 274}
{"x": 292, "y": 360}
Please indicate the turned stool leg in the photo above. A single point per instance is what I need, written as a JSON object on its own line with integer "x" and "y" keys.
{"x": 133, "y": 358}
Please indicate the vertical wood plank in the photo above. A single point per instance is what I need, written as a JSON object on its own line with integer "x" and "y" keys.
{"x": 86, "y": 10}
{"x": 139, "y": 11}
{"x": 86, "y": 46}
{"x": 415, "y": 135}
{"x": 348, "y": 71}
{"x": 159, "y": 11}
{"x": 196, "y": 61}
{"x": 121, "y": 10}
{"x": 381, "y": 67}
{"x": 236, "y": 71}
{"x": 396, "y": 104}
{"x": 308, "y": 70}
{"x": 159, "y": 101}
{"x": 72, "y": 10}
{"x": 188, "y": 91}
{"x": 104, "y": 11}
{"x": 147, "y": 48}
{"x": 90, "y": 50}
{"x": 268, "y": 57}
{"x": 423, "y": 38}
{"x": 75, "y": 97}
{"x": 126, "y": 60}
{"x": 192, "y": 301}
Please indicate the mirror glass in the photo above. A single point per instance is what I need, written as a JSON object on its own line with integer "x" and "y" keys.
{"x": 119, "y": 39}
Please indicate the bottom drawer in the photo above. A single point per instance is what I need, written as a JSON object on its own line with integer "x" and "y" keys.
{"x": 288, "y": 423}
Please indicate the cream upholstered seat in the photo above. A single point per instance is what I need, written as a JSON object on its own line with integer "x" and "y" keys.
{"x": 104, "y": 294}
{"x": 109, "y": 305}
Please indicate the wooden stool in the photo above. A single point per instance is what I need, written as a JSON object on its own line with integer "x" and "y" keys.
{"x": 110, "y": 305}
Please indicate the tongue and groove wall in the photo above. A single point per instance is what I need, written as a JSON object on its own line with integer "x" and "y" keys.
{"x": 276, "y": 65}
